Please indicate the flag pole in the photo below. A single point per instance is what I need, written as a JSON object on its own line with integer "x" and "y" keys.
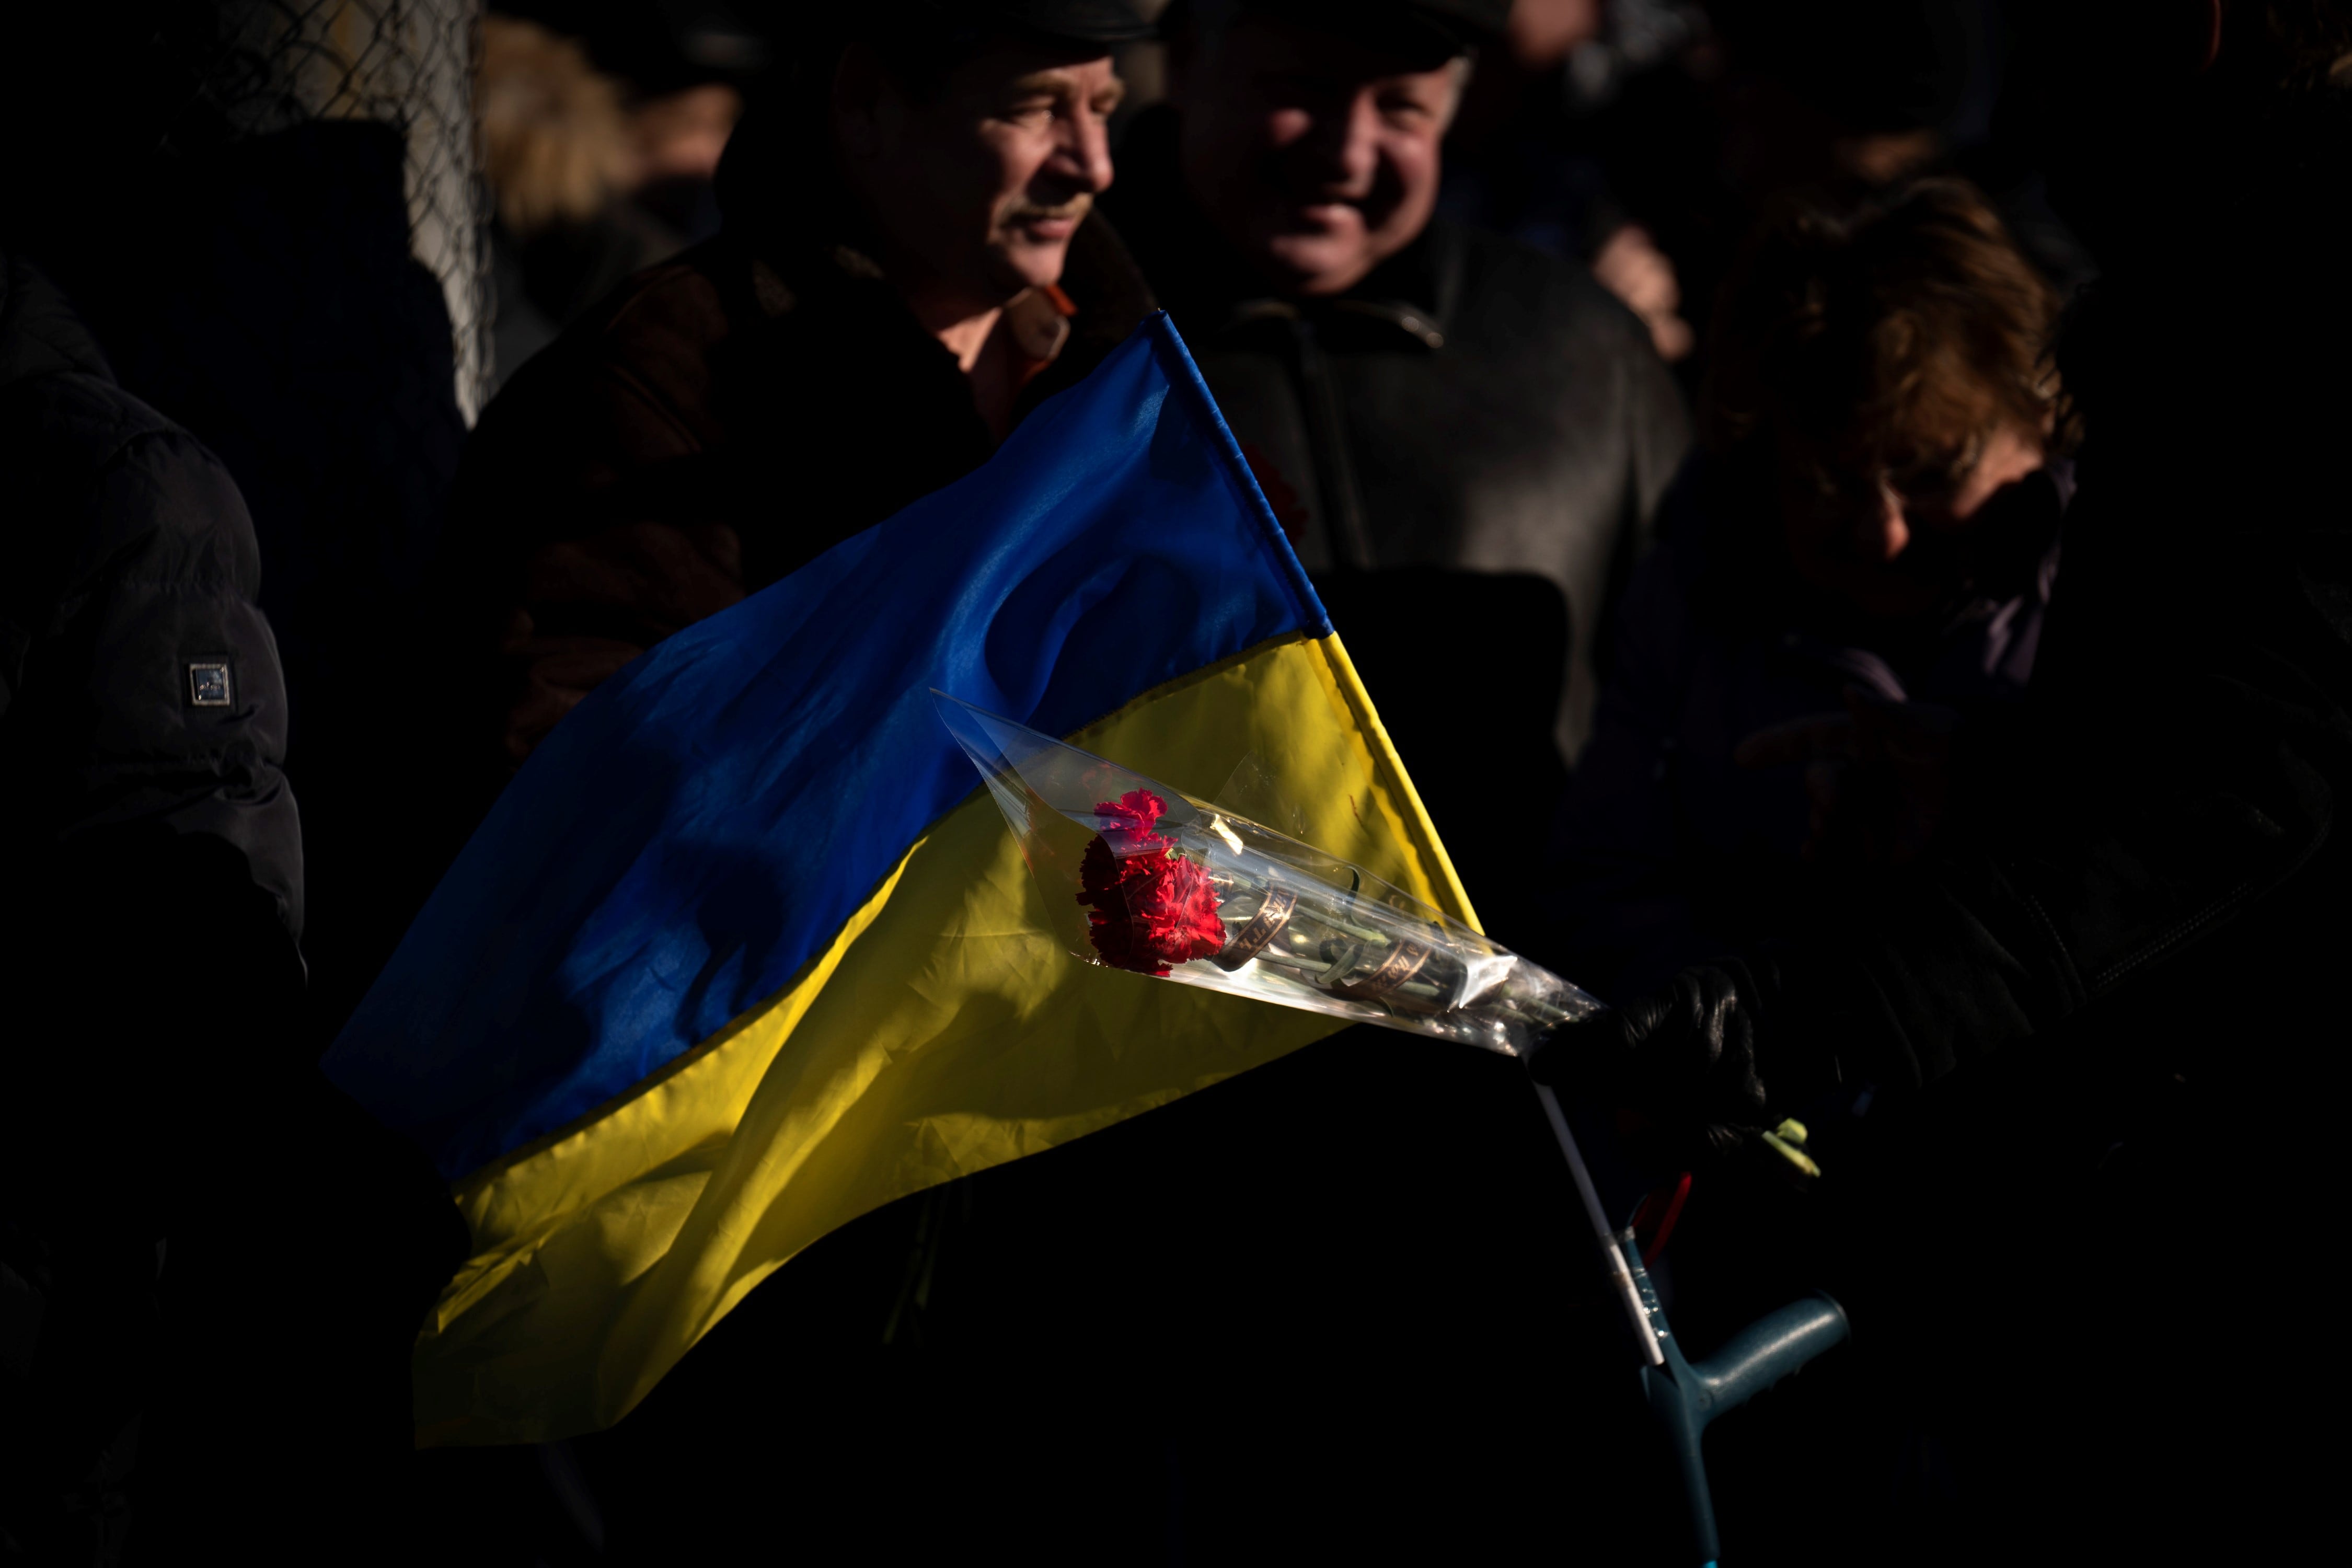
{"x": 1604, "y": 1235}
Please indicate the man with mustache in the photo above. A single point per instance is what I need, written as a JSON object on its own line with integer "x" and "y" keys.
{"x": 1464, "y": 438}
{"x": 908, "y": 264}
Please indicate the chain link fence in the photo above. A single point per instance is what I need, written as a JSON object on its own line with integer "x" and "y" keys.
{"x": 257, "y": 67}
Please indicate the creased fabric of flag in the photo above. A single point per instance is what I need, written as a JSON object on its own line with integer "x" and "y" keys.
{"x": 744, "y": 952}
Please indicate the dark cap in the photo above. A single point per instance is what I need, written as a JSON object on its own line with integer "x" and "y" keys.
{"x": 955, "y": 22}
{"x": 1432, "y": 29}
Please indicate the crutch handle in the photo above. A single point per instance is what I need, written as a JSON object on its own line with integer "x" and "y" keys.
{"x": 1684, "y": 1398}
{"x": 1767, "y": 1351}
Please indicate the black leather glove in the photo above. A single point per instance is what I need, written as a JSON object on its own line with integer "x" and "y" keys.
{"x": 1688, "y": 1060}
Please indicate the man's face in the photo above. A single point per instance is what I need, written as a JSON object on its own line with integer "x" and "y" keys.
{"x": 979, "y": 187}
{"x": 1314, "y": 156}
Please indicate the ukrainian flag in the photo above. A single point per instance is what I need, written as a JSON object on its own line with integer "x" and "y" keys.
{"x": 743, "y": 952}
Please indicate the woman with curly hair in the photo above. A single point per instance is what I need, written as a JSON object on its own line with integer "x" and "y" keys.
{"x": 1852, "y": 570}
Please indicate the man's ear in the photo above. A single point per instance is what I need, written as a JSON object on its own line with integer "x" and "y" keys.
{"x": 861, "y": 103}
{"x": 1458, "y": 71}
{"x": 2215, "y": 12}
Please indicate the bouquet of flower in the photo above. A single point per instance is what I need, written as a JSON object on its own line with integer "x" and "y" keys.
{"x": 1140, "y": 877}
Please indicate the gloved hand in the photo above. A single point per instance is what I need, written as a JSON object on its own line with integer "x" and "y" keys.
{"x": 1687, "y": 1060}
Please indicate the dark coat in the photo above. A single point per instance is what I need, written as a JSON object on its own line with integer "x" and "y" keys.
{"x": 1474, "y": 405}
{"x": 139, "y": 682}
{"x": 165, "y": 1144}
{"x": 1674, "y": 853}
{"x": 714, "y": 424}
{"x": 1466, "y": 449}
{"x": 296, "y": 338}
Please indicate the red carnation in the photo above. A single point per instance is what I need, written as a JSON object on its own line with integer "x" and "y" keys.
{"x": 1134, "y": 812}
{"x": 1151, "y": 906}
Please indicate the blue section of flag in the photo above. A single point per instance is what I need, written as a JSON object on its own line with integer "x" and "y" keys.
{"x": 698, "y": 828}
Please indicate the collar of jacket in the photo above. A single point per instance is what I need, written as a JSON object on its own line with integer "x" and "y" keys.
{"x": 1405, "y": 302}
{"x": 39, "y": 334}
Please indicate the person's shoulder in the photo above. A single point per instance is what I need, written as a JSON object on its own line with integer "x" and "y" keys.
{"x": 1507, "y": 285}
{"x": 635, "y": 372}
{"x": 659, "y": 326}
{"x": 684, "y": 301}
{"x": 65, "y": 411}
{"x": 127, "y": 487}
{"x": 73, "y": 418}
{"x": 115, "y": 484}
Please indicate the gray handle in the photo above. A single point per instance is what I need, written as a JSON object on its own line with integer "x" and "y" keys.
{"x": 1686, "y": 1397}
{"x": 1767, "y": 1351}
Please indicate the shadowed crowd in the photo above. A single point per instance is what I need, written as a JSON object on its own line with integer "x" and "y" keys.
{"x": 1840, "y": 508}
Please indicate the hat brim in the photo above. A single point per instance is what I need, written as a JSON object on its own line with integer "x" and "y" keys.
{"x": 1410, "y": 30}
{"x": 1102, "y": 22}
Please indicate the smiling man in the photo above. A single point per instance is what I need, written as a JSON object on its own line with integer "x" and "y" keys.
{"x": 910, "y": 261}
{"x": 1464, "y": 438}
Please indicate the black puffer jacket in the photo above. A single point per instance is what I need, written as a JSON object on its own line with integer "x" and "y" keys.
{"x": 153, "y": 860}
{"x": 138, "y": 682}
{"x": 167, "y": 1148}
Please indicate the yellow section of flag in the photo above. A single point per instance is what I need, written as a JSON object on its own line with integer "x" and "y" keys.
{"x": 941, "y": 1032}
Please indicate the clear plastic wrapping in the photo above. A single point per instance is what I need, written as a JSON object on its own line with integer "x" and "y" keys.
{"x": 1140, "y": 877}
